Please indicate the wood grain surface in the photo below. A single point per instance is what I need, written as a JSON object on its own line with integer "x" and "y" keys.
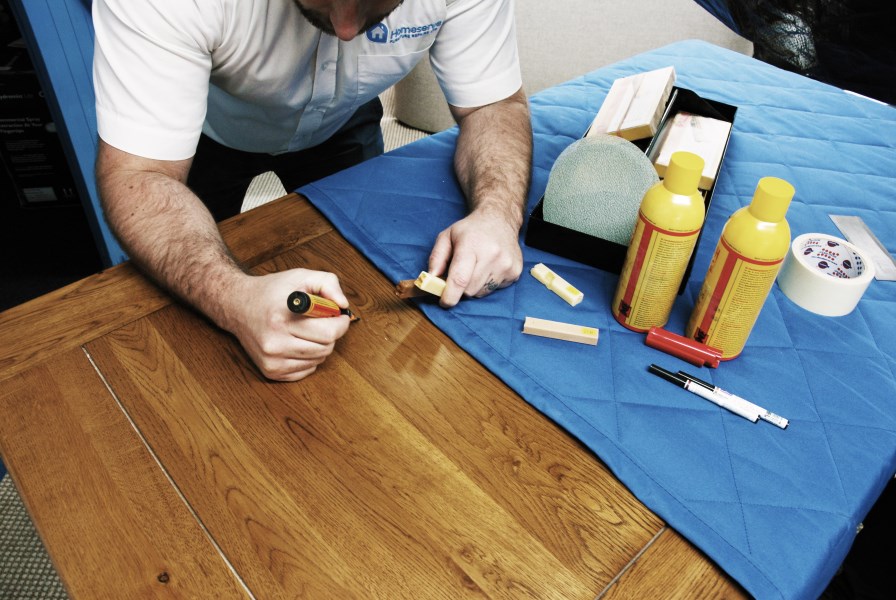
{"x": 401, "y": 469}
{"x": 115, "y": 526}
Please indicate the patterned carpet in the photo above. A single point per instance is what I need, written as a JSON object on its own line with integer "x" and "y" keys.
{"x": 25, "y": 568}
{"x": 26, "y": 572}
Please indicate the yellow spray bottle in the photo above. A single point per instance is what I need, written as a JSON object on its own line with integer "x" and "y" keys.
{"x": 746, "y": 261}
{"x": 669, "y": 221}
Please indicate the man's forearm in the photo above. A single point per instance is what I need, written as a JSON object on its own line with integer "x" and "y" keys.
{"x": 493, "y": 157}
{"x": 481, "y": 252}
{"x": 169, "y": 233}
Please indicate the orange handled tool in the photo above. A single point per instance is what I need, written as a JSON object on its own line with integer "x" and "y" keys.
{"x": 303, "y": 303}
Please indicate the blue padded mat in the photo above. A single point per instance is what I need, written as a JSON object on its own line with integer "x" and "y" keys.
{"x": 776, "y": 509}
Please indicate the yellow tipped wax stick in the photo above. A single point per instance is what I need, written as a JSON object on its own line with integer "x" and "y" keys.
{"x": 569, "y": 332}
{"x": 430, "y": 283}
{"x": 557, "y": 284}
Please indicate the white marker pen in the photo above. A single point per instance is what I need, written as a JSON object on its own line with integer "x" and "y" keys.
{"x": 765, "y": 415}
{"x": 708, "y": 394}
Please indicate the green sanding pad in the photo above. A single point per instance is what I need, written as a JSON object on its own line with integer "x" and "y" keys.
{"x": 596, "y": 186}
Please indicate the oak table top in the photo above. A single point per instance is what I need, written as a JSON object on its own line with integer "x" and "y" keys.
{"x": 157, "y": 462}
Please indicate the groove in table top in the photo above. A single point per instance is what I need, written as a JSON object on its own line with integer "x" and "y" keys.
{"x": 108, "y": 516}
{"x": 673, "y": 569}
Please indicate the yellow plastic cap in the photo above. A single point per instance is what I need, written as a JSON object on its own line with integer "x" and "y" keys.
{"x": 684, "y": 172}
{"x": 772, "y": 199}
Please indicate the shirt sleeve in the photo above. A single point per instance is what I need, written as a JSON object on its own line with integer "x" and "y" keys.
{"x": 151, "y": 69}
{"x": 475, "y": 55}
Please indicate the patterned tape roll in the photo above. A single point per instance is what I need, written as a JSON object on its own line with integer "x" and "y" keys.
{"x": 824, "y": 274}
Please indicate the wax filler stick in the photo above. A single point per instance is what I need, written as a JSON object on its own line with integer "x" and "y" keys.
{"x": 309, "y": 305}
{"x": 557, "y": 284}
{"x": 425, "y": 283}
{"x": 430, "y": 283}
{"x": 568, "y": 332}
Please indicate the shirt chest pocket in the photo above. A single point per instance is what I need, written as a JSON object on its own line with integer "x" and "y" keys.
{"x": 379, "y": 72}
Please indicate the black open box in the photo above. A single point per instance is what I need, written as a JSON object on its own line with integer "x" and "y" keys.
{"x": 607, "y": 255}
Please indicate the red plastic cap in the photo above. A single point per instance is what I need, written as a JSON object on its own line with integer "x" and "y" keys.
{"x": 684, "y": 348}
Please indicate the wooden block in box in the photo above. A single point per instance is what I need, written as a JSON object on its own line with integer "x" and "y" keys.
{"x": 634, "y": 105}
{"x": 704, "y": 136}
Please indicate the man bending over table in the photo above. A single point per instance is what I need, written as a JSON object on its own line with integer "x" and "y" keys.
{"x": 196, "y": 98}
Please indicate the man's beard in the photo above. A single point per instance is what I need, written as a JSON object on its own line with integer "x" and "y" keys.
{"x": 323, "y": 23}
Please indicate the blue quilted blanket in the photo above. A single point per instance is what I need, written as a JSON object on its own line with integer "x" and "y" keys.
{"x": 776, "y": 509}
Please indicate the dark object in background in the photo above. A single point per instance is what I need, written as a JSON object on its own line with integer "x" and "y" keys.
{"x": 31, "y": 152}
{"x": 45, "y": 238}
{"x": 867, "y": 572}
{"x": 847, "y": 43}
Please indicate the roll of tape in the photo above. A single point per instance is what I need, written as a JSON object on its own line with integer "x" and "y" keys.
{"x": 824, "y": 274}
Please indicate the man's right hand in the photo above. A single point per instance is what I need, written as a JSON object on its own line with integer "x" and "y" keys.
{"x": 283, "y": 345}
{"x": 170, "y": 234}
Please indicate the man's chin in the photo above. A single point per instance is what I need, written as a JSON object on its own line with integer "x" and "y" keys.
{"x": 323, "y": 24}
{"x": 316, "y": 19}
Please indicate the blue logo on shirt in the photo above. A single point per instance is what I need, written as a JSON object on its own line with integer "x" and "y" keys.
{"x": 378, "y": 34}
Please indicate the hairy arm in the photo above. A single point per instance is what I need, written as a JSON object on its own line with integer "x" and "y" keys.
{"x": 172, "y": 237}
{"x": 493, "y": 161}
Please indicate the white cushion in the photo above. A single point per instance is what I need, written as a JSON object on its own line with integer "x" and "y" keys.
{"x": 562, "y": 39}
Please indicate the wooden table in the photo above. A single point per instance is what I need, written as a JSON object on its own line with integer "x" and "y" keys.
{"x": 155, "y": 461}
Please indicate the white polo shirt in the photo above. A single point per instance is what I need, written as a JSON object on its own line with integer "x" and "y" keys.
{"x": 256, "y": 76}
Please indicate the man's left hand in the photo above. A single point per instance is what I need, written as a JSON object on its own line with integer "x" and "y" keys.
{"x": 484, "y": 254}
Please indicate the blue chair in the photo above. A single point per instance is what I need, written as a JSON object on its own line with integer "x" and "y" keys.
{"x": 719, "y": 9}
{"x": 59, "y": 34}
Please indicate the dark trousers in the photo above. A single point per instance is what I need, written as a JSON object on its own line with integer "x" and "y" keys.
{"x": 220, "y": 175}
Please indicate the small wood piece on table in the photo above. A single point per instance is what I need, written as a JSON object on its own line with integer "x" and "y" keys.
{"x": 581, "y": 334}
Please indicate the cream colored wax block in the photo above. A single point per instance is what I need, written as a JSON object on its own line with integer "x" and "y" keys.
{"x": 557, "y": 284}
{"x": 646, "y": 109}
{"x": 612, "y": 111}
{"x": 561, "y": 331}
{"x": 430, "y": 283}
{"x": 704, "y": 136}
{"x": 634, "y": 105}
